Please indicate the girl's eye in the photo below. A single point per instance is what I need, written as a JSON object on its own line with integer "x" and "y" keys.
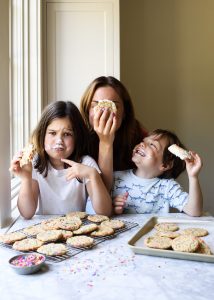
{"x": 151, "y": 144}
{"x": 68, "y": 134}
{"x": 52, "y": 133}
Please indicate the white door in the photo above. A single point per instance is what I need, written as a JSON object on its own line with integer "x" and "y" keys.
{"x": 81, "y": 43}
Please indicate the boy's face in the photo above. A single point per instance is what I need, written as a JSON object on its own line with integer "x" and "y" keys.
{"x": 148, "y": 155}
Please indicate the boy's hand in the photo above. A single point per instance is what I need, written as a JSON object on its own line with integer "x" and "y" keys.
{"x": 119, "y": 203}
{"x": 193, "y": 165}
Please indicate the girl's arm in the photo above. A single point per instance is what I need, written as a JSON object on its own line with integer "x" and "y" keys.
{"x": 194, "y": 205}
{"x": 29, "y": 190}
{"x": 28, "y": 198}
{"x": 96, "y": 189}
{"x": 101, "y": 200}
{"x": 105, "y": 126}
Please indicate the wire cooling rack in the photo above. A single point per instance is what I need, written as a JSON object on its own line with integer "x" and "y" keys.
{"x": 74, "y": 251}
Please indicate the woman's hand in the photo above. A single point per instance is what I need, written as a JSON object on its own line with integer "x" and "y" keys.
{"x": 105, "y": 124}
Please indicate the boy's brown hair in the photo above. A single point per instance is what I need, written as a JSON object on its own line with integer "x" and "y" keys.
{"x": 178, "y": 165}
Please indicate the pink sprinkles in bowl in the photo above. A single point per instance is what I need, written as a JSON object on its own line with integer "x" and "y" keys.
{"x": 27, "y": 260}
{"x": 27, "y": 263}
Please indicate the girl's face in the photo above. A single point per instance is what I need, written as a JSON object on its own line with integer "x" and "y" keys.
{"x": 109, "y": 93}
{"x": 148, "y": 155}
{"x": 59, "y": 141}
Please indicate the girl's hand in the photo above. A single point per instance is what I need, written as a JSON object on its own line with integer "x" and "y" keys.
{"x": 119, "y": 203}
{"x": 78, "y": 170}
{"x": 193, "y": 165}
{"x": 24, "y": 171}
{"x": 105, "y": 124}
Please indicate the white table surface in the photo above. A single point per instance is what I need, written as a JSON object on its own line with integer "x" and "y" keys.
{"x": 109, "y": 271}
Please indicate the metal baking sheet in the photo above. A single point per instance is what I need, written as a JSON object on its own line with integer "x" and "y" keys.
{"x": 136, "y": 243}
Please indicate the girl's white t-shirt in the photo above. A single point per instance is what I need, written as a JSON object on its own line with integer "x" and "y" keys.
{"x": 59, "y": 196}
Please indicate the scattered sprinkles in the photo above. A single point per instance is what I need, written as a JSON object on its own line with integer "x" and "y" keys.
{"x": 27, "y": 260}
{"x": 91, "y": 269}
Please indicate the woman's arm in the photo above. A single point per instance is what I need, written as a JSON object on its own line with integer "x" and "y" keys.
{"x": 105, "y": 124}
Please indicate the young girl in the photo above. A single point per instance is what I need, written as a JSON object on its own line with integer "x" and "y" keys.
{"x": 150, "y": 187}
{"x": 62, "y": 175}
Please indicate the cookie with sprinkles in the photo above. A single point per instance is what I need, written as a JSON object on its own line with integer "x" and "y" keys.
{"x": 79, "y": 214}
{"x": 195, "y": 231}
{"x": 28, "y": 244}
{"x": 33, "y": 230}
{"x": 86, "y": 229}
{"x": 97, "y": 218}
{"x": 49, "y": 235}
{"x": 169, "y": 234}
{"x": 53, "y": 249}
{"x": 10, "y": 238}
{"x": 115, "y": 224}
{"x": 158, "y": 242}
{"x": 82, "y": 241}
{"x": 166, "y": 226}
{"x": 70, "y": 223}
{"x": 66, "y": 234}
{"x": 51, "y": 224}
{"x": 102, "y": 231}
{"x": 185, "y": 243}
{"x": 203, "y": 247}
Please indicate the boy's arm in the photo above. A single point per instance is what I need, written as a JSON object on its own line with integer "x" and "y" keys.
{"x": 194, "y": 206}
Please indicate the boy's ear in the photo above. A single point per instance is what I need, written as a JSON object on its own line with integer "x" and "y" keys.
{"x": 164, "y": 168}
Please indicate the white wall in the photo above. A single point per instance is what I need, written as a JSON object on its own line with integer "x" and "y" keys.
{"x": 167, "y": 63}
{"x": 5, "y": 201}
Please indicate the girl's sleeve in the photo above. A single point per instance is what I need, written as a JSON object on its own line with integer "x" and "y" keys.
{"x": 89, "y": 161}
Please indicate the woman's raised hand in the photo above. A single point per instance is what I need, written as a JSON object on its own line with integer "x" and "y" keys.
{"x": 105, "y": 124}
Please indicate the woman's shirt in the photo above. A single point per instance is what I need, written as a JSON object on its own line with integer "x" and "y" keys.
{"x": 153, "y": 195}
{"x": 59, "y": 196}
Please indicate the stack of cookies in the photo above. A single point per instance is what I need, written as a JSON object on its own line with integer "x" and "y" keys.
{"x": 168, "y": 237}
{"x": 51, "y": 237}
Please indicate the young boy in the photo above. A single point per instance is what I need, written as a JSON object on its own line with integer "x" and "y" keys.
{"x": 151, "y": 188}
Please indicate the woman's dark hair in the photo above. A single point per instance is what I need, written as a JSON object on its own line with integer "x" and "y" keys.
{"x": 60, "y": 109}
{"x": 130, "y": 132}
{"x": 178, "y": 165}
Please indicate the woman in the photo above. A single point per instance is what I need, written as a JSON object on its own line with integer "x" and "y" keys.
{"x": 113, "y": 135}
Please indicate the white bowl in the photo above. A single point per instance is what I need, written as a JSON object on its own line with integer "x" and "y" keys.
{"x": 25, "y": 264}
